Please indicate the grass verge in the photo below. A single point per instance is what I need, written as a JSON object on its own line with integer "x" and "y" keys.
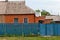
{"x": 31, "y": 38}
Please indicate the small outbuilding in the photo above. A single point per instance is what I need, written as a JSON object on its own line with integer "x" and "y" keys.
{"x": 55, "y": 19}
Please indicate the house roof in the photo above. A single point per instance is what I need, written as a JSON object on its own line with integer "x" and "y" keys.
{"x": 55, "y": 18}
{"x": 14, "y": 7}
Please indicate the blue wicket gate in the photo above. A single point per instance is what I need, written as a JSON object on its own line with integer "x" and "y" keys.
{"x": 50, "y": 29}
{"x": 46, "y": 29}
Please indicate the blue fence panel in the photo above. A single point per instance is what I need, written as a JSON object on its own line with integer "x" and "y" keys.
{"x": 55, "y": 29}
{"x": 58, "y": 28}
{"x": 26, "y": 29}
{"x": 9, "y": 28}
{"x": 34, "y": 28}
{"x": 18, "y": 29}
{"x": 2, "y": 29}
{"x": 14, "y": 29}
{"x": 49, "y": 29}
{"x": 31, "y": 28}
{"x": 42, "y": 29}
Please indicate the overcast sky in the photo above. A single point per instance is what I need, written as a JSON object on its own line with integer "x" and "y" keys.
{"x": 53, "y": 6}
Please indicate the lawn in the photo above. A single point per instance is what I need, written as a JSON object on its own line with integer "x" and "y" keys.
{"x": 30, "y": 38}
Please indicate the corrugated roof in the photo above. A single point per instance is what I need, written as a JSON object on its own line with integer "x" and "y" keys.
{"x": 55, "y": 18}
{"x": 13, "y": 7}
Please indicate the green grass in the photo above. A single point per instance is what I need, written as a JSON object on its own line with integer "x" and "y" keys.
{"x": 30, "y": 38}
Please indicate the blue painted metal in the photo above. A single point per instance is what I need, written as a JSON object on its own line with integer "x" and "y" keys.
{"x": 49, "y": 28}
{"x": 42, "y": 29}
{"x": 34, "y": 28}
{"x": 30, "y": 28}
{"x": 26, "y": 29}
{"x": 58, "y": 28}
{"x": 13, "y": 28}
{"x": 55, "y": 29}
{"x": 2, "y": 29}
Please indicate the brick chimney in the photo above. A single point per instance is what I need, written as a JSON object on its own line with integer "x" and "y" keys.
{"x": 6, "y": 0}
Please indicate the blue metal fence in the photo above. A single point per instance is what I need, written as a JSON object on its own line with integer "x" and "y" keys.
{"x": 31, "y": 28}
{"x": 56, "y": 28}
{"x": 42, "y": 29}
{"x": 50, "y": 29}
{"x": 2, "y": 29}
{"x": 13, "y": 29}
{"x": 19, "y": 29}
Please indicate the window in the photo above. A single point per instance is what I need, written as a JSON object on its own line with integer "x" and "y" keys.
{"x": 25, "y": 20}
{"x": 15, "y": 20}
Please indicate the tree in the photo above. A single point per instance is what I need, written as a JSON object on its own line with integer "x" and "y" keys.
{"x": 44, "y": 13}
{"x": 38, "y": 10}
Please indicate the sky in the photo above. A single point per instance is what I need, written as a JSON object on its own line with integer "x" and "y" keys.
{"x": 52, "y": 6}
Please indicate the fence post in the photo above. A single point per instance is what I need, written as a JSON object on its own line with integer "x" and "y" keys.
{"x": 46, "y": 29}
{"x": 38, "y": 28}
{"x": 22, "y": 30}
{"x": 4, "y": 29}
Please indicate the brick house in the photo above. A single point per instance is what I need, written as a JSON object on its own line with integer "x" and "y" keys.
{"x": 18, "y": 12}
{"x": 11, "y": 12}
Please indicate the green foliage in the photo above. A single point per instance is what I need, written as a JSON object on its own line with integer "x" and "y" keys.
{"x": 31, "y": 38}
{"x": 44, "y": 13}
{"x": 38, "y": 10}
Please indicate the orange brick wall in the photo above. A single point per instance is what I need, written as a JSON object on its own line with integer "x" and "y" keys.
{"x": 46, "y": 21}
{"x": 31, "y": 18}
{"x": 39, "y": 18}
{"x": 10, "y": 18}
{"x": 42, "y": 18}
